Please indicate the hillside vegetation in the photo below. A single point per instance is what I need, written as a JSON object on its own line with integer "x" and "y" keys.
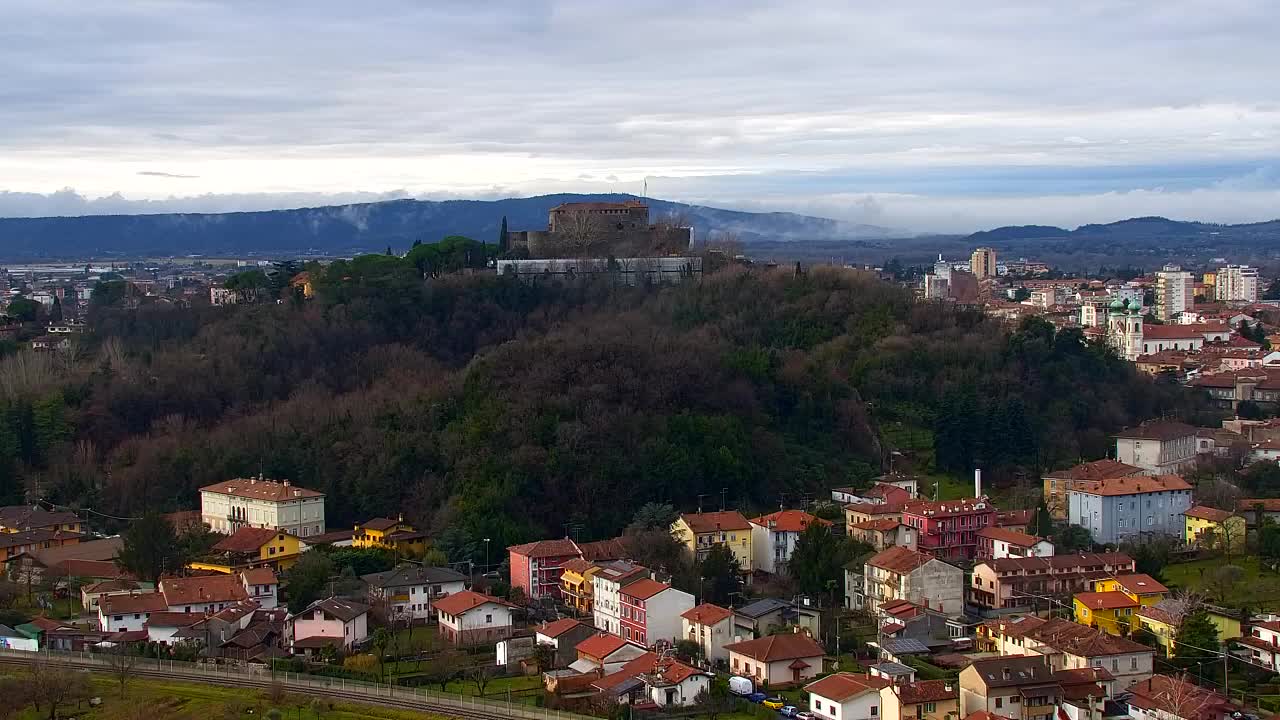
{"x": 481, "y": 407}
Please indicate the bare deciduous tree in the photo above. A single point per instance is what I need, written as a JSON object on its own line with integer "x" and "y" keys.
{"x": 52, "y": 687}
{"x": 725, "y": 241}
{"x": 580, "y": 228}
{"x": 122, "y": 663}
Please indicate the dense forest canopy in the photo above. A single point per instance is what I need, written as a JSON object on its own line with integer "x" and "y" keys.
{"x": 483, "y": 407}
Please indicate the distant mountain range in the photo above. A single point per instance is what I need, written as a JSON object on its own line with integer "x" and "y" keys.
{"x": 1140, "y": 229}
{"x": 367, "y": 227}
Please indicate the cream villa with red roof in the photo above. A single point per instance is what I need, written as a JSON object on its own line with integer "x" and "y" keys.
{"x": 255, "y": 502}
{"x": 846, "y": 695}
{"x": 711, "y": 627}
{"x": 470, "y": 618}
{"x": 782, "y": 660}
{"x": 997, "y": 542}
{"x": 773, "y": 537}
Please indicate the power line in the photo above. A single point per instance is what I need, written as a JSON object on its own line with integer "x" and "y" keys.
{"x": 68, "y": 508}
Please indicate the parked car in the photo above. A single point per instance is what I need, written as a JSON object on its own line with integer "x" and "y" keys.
{"x": 804, "y": 715}
{"x": 774, "y": 703}
{"x": 789, "y": 711}
{"x": 757, "y": 697}
{"x": 741, "y": 686}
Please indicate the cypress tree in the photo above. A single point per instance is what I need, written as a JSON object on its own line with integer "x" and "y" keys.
{"x": 502, "y": 236}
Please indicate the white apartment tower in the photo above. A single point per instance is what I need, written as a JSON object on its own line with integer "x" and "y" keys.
{"x": 1237, "y": 283}
{"x": 1175, "y": 292}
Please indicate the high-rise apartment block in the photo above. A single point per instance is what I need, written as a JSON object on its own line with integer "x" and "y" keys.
{"x": 1237, "y": 283}
{"x": 983, "y": 263}
{"x": 1175, "y": 292}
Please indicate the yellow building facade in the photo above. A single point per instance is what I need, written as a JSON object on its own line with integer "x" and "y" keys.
{"x": 1114, "y": 603}
{"x": 1215, "y": 528}
{"x": 252, "y": 547}
{"x": 577, "y": 583}
{"x": 389, "y": 534}
{"x": 699, "y": 532}
{"x": 1164, "y": 626}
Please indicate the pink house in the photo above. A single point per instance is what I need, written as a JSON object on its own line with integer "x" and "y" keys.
{"x": 536, "y": 567}
{"x": 339, "y": 623}
{"x": 651, "y": 611}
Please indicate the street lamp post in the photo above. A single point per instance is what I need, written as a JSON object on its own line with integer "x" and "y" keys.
{"x": 486, "y": 555}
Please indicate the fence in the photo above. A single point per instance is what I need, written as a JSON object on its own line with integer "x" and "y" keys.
{"x": 343, "y": 688}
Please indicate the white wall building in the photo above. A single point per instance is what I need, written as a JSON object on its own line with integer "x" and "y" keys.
{"x": 773, "y": 538}
{"x": 1237, "y": 283}
{"x": 1175, "y": 292}
{"x": 846, "y": 696}
{"x": 254, "y": 502}
{"x": 711, "y": 627}
{"x": 606, "y": 585}
{"x": 332, "y": 621}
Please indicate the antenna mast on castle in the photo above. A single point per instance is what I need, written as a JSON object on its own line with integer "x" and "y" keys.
{"x": 645, "y": 193}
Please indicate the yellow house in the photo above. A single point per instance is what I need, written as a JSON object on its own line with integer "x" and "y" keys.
{"x": 699, "y": 532}
{"x": 1144, "y": 589}
{"x": 1218, "y": 528}
{"x": 390, "y": 534}
{"x": 576, "y": 584}
{"x": 251, "y": 547}
{"x": 1162, "y": 621}
{"x": 21, "y": 518}
{"x": 1111, "y": 612}
{"x": 1113, "y": 602}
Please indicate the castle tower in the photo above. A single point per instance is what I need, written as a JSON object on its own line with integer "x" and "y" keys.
{"x": 1116, "y": 326}
{"x": 1133, "y": 338}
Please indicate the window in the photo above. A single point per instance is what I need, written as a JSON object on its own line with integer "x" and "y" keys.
{"x": 118, "y": 618}
{"x": 1115, "y": 664}
{"x": 999, "y": 703}
{"x": 1133, "y": 663}
{"x": 875, "y": 711}
{"x": 137, "y": 616}
{"x": 930, "y": 707}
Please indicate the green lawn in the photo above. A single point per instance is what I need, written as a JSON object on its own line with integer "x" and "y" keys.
{"x": 165, "y": 700}
{"x": 1257, "y": 588}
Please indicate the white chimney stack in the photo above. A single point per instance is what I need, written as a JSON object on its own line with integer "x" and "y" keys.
{"x": 977, "y": 482}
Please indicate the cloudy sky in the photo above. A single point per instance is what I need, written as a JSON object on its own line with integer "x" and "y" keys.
{"x": 929, "y": 115}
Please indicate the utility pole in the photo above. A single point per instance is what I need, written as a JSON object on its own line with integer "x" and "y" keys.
{"x": 723, "y": 491}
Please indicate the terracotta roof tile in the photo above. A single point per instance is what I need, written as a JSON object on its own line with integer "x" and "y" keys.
{"x": 1205, "y": 512}
{"x": 710, "y": 522}
{"x": 1157, "y": 430}
{"x": 772, "y": 648}
{"x": 563, "y": 547}
{"x": 899, "y": 559}
{"x": 207, "y": 589}
{"x": 843, "y": 686}
{"x": 260, "y": 576}
{"x": 707, "y": 614}
{"x": 929, "y": 691}
{"x": 788, "y": 520}
{"x": 1141, "y": 584}
{"x": 644, "y": 588}
{"x": 261, "y": 490}
{"x": 461, "y": 602}
{"x": 1097, "y": 470}
{"x": 1106, "y": 600}
{"x": 247, "y": 540}
{"x": 558, "y": 628}
{"x": 1133, "y": 485}
{"x": 1013, "y": 537}
{"x": 600, "y": 646}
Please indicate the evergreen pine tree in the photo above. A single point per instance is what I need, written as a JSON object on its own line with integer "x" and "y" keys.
{"x": 502, "y": 236}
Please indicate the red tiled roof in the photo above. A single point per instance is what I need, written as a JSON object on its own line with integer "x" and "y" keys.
{"x": 247, "y": 539}
{"x": 1157, "y": 430}
{"x": 378, "y": 523}
{"x": 194, "y": 590}
{"x": 616, "y": 549}
{"x": 461, "y": 602}
{"x": 629, "y": 670}
{"x": 129, "y": 604}
{"x": 577, "y": 565}
{"x": 899, "y": 559}
{"x": 772, "y": 648}
{"x": 842, "y": 686}
{"x": 563, "y": 547}
{"x": 1106, "y": 600}
{"x": 1179, "y": 698}
{"x": 1006, "y": 518}
{"x": 644, "y": 588}
{"x": 1013, "y": 537}
{"x": 984, "y": 715}
{"x": 1205, "y": 512}
{"x": 260, "y": 576}
{"x": 928, "y": 691}
{"x": 558, "y": 628}
{"x": 881, "y": 525}
{"x": 1141, "y": 584}
{"x": 889, "y": 508}
{"x": 1097, "y": 470}
{"x": 789, "y": 520}
{"x": 1268, "y": 504}
{"x": 261, "y": 490}
{"x": 710, "y": 522}
{"x": 600, "y": 646}
{"x": 1059, "y": 562}
{"x": 947, "y": 508}
{"x": 173, "y": 619}
{"x": 1133, "y": 485}
{"x": 707, "y": 614}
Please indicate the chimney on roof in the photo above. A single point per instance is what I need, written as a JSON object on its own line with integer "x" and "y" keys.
{"x": 260, "y": 477}
{"x": 977, "y": 482}
{"x": 1005, "y": 672}
{"x": 253, "y": 481}
{"x": 286, "y": 483}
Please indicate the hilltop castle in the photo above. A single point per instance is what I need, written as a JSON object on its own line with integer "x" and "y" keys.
{"x": 601, "y": 229}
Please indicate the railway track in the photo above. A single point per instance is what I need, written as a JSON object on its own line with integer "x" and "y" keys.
{"x": 397, "y": 698}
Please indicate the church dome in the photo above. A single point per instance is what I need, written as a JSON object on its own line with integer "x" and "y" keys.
{"x": 1118, "y": 304}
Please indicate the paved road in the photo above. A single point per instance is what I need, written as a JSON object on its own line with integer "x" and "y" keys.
{"x": 346, "y": 690}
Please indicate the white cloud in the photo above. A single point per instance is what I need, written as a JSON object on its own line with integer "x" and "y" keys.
{"x": 528, "y": 96}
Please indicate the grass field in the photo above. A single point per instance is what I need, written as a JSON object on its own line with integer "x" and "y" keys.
{"x": 1258, "y": 589}
{"x": 164, "y": 700}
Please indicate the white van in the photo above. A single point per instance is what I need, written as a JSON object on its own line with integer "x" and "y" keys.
{"x": 740, "y": 686}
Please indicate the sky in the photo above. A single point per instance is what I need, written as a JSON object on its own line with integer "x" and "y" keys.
{"x": 925, "y": 115}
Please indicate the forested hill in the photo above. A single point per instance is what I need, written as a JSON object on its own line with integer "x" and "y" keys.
{"x": 481, "y": 407}
{"x": 367, "y": 227}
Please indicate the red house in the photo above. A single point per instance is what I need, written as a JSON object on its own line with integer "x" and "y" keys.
{"x": 948, "y": 529}
{"x": 536, "y": 567}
